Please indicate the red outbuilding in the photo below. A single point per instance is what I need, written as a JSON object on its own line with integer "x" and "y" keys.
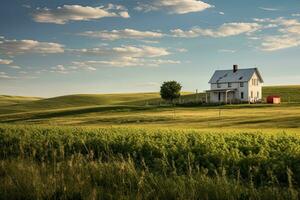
{"x": 274, "y": 99}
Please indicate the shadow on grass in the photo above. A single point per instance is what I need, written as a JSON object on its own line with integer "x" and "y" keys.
{"x": 280, "y": 122}
{"x": 74, "y": 112}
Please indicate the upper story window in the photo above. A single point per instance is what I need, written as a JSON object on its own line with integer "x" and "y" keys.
{"x": 218, "y": 85}
{"x": 229, "y": 84}
{"x": 255, "y": 81}
{"x": 241, "y": 84}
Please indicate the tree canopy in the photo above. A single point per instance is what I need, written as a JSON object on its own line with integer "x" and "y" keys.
{"x": 170, "y": 90}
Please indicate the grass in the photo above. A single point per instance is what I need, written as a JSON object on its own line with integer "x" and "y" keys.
{"x": 128, "y": 146}
{"x": 73, "y": 101}
{"x": 141, "y": 109}
{"x": 236, "y": 116}
{"x": 6, "y": 100}
{"x": 288, "y": 93}
{"x": 142, "y": 163}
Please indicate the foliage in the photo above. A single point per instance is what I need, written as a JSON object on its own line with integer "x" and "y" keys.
{"x": 66, "y": 163}
{"x": 170, "y": 90}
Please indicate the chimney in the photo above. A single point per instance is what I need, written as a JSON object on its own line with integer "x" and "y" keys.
{"x": 235, "y": 68}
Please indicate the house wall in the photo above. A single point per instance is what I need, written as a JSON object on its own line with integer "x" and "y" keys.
{"x": 214, "y": 96}
{"x": 255, "y": 89}
{"x": 247, "y": 89}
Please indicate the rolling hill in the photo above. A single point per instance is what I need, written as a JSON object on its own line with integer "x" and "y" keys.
{"x": 131, "y": 109}
{"x": 80, "y": 100}
{"x": 290, "y": 93}
{"x": 14, "y": 104}
{"x": 6, "y": 100}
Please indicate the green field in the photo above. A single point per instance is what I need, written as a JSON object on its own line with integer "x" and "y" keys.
{"x": 135, "y": 146}
{"x": 143, "y": 163}
{"x": 147, "y": 109}
{"x": 6, "y": 100}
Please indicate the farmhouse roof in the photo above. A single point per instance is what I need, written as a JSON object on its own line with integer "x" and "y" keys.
{"x": 230, "y": 76}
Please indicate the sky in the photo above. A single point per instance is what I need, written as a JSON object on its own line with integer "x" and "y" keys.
{"x": 61, "y": 47}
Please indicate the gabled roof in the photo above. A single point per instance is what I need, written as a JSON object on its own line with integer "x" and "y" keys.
{"x": 241, "y": 75}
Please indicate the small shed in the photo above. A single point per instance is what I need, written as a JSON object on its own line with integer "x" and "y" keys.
{"x": 274, "y": 99}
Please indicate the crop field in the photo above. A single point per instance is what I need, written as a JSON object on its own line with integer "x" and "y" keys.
{"x": 133, "y": 163}
{"x": 134, "y": 146}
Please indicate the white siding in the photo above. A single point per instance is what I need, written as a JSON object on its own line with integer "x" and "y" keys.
{"x": 255, "y": 89}
{"x": 251, "y": 92}
{"x": 214, "y": 96}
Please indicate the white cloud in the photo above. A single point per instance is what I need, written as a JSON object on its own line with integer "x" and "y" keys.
{"x": 227, "y": 50}
{"x": 26, "y": 6}
{"x": 59, "y": 69}
{"x": 122, "y": 34}
{"x": 66, "y": 13}
{"x": 4, "y": 75}
{"x": 288, "y": 34}
{"x": 174, "y": 6}
{"x": 125, "y": 51}
{"x": 12, "y": 47}
{"x": 125, "y": 62}
{"x": 82, "y": 65}
{"x": 150, "y": 41}
{"x": 182, "y": 50}
{"x": 280, "y": 21}
{"x": 225, "y": 30}
{"x": 221, "y": 13}
{"x": 14, "y": 67}
{"x": 268, "y": 9}
{"x": 5, "y": 61}
{"x": 277, "y": 42}
{"x": 123, "y": 56}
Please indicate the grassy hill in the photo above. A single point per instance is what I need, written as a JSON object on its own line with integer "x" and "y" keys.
{"x": 6, "y": 100}
{"x": 81, "y": 100}
{"x": 289, "y": 93}
{"x": 131, "y": 109}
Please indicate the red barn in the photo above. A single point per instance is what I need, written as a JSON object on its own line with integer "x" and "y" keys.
{"x": 274, "y": 99}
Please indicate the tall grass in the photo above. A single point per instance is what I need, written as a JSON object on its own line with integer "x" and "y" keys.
{"x": 129, "y": 163}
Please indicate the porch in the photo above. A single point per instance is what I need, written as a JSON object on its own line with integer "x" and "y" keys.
{"x": 221, "y": 95}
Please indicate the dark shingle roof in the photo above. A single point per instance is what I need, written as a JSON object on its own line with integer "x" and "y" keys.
{"x": 241, "y": 75}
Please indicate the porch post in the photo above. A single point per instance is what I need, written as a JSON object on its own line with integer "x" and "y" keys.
{"x": 206, "y": 97}
{"x": 226, "y": 97}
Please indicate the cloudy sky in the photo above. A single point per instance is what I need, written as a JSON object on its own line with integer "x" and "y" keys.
{"x": 57, "y": 47}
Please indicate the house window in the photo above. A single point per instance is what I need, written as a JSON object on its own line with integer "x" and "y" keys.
{"x": 241, "y": 84}
{"x": 242, "y": 95}
{"x": 229, "y": 84}
{"x": 219, "y": 96}
{"x": 251, "y": 94}
{"x": 218, "y": 85}
{"x": 254, "y": 81}
{"x": 258, "y": 95}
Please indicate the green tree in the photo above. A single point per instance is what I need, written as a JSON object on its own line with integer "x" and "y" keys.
{"x": 170, "y": 90}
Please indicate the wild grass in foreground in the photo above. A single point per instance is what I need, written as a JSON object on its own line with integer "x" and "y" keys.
{"x": 128, "y": 163}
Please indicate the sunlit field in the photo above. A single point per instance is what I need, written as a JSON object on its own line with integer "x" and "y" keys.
{"x": 141, "y": 163}
{"x": 135, "y": 146}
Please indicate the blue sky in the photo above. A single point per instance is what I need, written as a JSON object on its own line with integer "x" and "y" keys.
{"x": 51, "y": 48}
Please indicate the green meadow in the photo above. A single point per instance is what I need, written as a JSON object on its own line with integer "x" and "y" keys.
{"x": 148, "y": 110}
{"x": 136, "y": 146}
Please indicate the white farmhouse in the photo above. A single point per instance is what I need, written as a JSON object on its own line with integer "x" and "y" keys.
{"x": 235, "y": 85}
